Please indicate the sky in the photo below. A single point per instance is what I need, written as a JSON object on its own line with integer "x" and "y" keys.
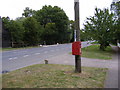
{"x": 14, "y": 8}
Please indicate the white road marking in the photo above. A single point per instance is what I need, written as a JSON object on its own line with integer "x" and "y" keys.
{"x": 37, "y": 53}
{"x": 13, "y": 58}
{"x": 10, "y": 58}
{"x": 25, "y": 55}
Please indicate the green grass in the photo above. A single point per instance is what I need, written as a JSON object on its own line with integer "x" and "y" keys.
{"x": 8, "y": 49}
{"x": 95, "y": 42}
{"x": 54, "y": 76}
{"x": 0, "y": 49}
{"x": 93, "y": 51}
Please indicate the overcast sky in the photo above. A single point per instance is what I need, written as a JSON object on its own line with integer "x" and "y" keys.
{"x": 14, "y": 8}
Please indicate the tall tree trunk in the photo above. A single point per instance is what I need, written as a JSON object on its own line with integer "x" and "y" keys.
{"x": 102, "y": 47}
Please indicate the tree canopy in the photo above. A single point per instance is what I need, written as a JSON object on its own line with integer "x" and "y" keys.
{"x": 28, "y": 12}
{"x": 100, "y": 27}
{"x": 115, "y": 8}
{"x": 49, "y": 25}
{"x": 49, "y": 15}
{"x": 32, "y": 31}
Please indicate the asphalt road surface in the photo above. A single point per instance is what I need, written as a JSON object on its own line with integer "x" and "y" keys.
{"x": 15, "y": 59}
{"x": 119, "y": 68}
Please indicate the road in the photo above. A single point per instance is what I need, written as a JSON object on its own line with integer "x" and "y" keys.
{"x": 16, "y": 59}
{"x": 119, "y": 68}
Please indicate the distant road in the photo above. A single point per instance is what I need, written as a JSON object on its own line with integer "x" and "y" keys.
{"x": 15, "y": 59}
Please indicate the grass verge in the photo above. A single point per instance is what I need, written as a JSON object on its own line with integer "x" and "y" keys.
{"x": 95, "y": 42}
{"x": 54, "y": 76}
{"x": 8, "y": 49}
{"x": 93, "y": 51}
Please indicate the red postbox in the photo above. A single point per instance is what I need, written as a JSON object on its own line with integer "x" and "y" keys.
{"x": 76, "y": 48}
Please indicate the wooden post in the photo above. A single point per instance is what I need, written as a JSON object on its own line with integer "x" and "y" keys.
{"x": 77, "y": 28}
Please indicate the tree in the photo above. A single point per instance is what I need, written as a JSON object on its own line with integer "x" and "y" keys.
{"x": 115, "y": 8}
{"x": 15, "y": 29}
{"x": 32, "y": 31}
{"x": 56, "y": 15}
{"x": 100, "y": 27}
{"x": 48, "y": 24}
{"x": 49, "y": 33}
{"x": 6, "y": 39}
{"x": 84, "y": 36}
{"x": 6, "y": 21}
{"x": 28, "y": 12}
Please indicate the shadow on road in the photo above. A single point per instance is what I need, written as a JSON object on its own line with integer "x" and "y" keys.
{"x": 4, "y": 71}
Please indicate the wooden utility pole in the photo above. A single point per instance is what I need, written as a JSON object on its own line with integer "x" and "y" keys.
{"x": 77, "y": 29}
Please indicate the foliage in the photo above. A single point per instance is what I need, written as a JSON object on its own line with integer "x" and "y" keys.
{"x": 5, "y": 21}
{"x": 84, "y": 36}
{"x": 48, "y": 25}
{"x": 115, "y": 8}
{"x": 100, "y": 27}
{"x": 15, "y": 28}
{"x": 28, "y": 12}
{"x": 32, "y": 31}
{"x": 56, "y": 15}
{"x": 51, "y": 33}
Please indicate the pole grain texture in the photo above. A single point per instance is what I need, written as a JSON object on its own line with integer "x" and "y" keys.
{"x": 77, "y": 28}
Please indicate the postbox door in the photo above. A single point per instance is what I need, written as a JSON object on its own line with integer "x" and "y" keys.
{"x": 76, "y": 48}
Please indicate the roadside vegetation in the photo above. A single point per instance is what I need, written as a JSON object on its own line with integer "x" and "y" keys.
{"x": 93, "y": 51}
{"x": 54, "y": 76}
{"x": 33, "y": 28}
{"x": 104, "y": 26}
{"x": 51, "y": 25}
{"x": 96, "y": 42}
{"x": 8, "y": 49}
{"x": 0, "y": 49}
